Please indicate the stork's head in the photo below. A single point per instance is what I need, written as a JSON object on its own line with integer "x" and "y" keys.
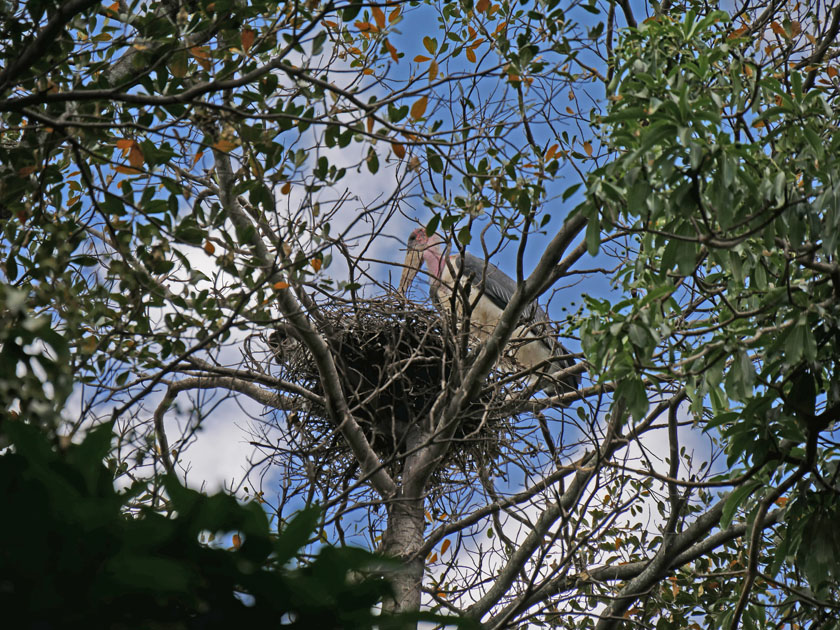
{"x": 420, "y": 247}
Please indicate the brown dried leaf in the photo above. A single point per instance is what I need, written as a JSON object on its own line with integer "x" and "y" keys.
{"x": 419, "y": 107}
{"x": 247, "y": 36}
{"x": 379, "y": 16}
{"x": 135, "y": 156}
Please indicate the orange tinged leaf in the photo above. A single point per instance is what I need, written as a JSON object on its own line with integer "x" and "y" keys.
{"x": 399, "y": 150}
{"x": 737, "y": 32}
{"x": 758, "y": 124}
{"x": 421, "y": 59}
{"x": 471, "y": 55}
{"x": 178, "y": 65}
{"x": 395, "y": 14}
{"x": 392, "y": 51}
{"x": 202, "y": 56}
{"x": 781, "y": 501}
{"x": 287, "y": 188}
{"x": 472, "y": 32}
{"x": 127, "y": 170}
{"x": 569, "y": 110}
{"x": 433, "y": 557}
{"x": 279, "y": 286}
{"x": 225, "y": 146}
{"x": 430, "y": 44}
{"x": 552, "y": 151}
{"x": 779, "y": 30}
{"x": 369, "y": 124}
{"x": 247, "y": 36}
{"x": 379, "y": 16}
{"x": 135, "y": 156}
{"x": 197, "y": 157}
{"x": 433, "y": 70}
{"x": 330, "y": 24}
{"x": 419, "y": 107}
{"x": 237, "y": 541}
{"x": 367, "y": 71}
{"x": 125, "y": 143}
{"x": 365, "y": 27}
{"x": 27, "y": 170}
{"x": 587, "y": 146}
{"x": 209, "y": 248}
{"x": 445, "y": 545}
{"x": 482, "y": 5}
{"x": 832, "y": 71}
{"x": 316, "y": 263}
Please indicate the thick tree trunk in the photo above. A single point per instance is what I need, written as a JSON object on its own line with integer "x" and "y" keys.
{"x": 403, "y": 538}
{"x": 403, "y": 535}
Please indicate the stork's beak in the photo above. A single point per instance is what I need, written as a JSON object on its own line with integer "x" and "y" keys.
{"x": 412, "y": 264}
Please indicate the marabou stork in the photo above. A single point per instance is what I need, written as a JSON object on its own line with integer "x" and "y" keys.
{"x": 533, "y": 343}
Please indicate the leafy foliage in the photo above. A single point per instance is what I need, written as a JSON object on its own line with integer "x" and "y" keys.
{"x": 75, "y": 555}
{"x": 725, "y": 178}
{"x": 182, "y": 181}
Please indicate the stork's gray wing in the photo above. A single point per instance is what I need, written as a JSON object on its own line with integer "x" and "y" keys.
{"x": 498, "y": 286}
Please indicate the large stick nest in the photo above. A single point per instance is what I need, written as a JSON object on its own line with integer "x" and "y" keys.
{"x": 398, "y": 363}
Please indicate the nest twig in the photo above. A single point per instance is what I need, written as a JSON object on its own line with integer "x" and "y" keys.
{"x": 397, "y": 362}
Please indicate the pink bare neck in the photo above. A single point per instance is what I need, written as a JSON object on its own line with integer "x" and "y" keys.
{"x": 433, "y": 256}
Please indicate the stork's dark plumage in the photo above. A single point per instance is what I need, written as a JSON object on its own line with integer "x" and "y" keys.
{"x": 532, "y": 343}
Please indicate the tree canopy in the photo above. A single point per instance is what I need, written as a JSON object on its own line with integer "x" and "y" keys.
{"x": 207, "y": 202}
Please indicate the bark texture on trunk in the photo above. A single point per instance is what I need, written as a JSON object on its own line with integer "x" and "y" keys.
{"x": 403, "y": 537}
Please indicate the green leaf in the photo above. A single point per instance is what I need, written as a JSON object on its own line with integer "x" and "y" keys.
{"x": 737, "y": 499}
{"x": 571, "y": 190}
{"x": 632, "y": 391}
{"x": 351, "y": 11}
{"x": 296, "y": 534}
{"x": 435, "y": 161}
{"x": 593, "y": 235}
{"x": 432, "y": 225}
{"x": 372, "y": 161}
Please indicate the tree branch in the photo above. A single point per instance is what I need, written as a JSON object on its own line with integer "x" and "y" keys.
{"x": 44, "y": 40}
